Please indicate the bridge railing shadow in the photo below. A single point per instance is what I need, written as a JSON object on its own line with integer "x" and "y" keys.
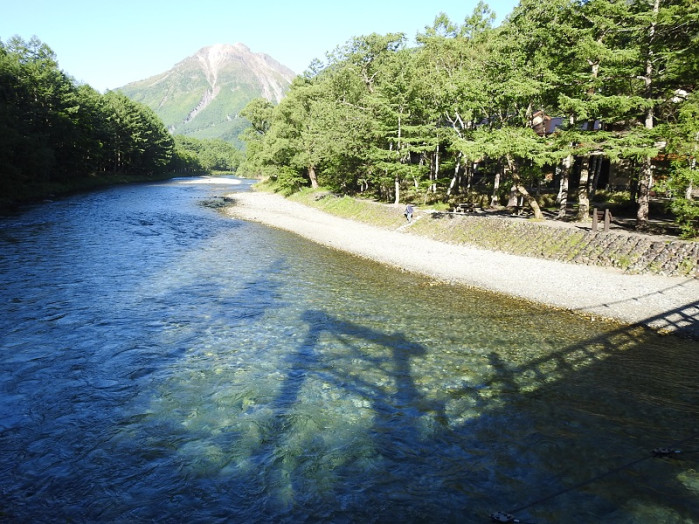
{"x": 543, "y": 425}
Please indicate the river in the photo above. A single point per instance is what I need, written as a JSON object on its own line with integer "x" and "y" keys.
{"x": 160, "y": 362}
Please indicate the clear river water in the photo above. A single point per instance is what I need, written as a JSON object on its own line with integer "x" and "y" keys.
{"x": 161, "y": 362}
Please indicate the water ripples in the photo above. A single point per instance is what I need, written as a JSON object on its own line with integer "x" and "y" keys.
{"x": 162, "y": 363}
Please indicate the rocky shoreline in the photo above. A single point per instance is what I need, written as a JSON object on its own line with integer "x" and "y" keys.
{"x": 663, "y": 303}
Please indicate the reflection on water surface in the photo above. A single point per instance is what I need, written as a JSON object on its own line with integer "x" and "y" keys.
{"x": 161, "y": 362}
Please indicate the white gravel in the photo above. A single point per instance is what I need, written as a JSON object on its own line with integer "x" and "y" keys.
{"x": 664, "y": 303}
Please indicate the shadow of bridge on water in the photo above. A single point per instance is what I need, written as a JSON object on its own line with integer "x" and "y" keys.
{"x": 567, "y": 434}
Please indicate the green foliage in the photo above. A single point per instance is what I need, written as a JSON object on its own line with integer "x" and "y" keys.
{"x": 687, "y": 211}
{"x": 288, "y": 180}
{"x": 352, "y": 208}
{"x": 135, "y": 136}
{"x": 206, "y": 155}
{"x": 683, "y": 181}
{"x": 54, "y": 132}
{"x": 391, "y": 121}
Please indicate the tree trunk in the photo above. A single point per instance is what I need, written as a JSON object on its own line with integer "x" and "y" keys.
{"x": 643, "y": 198}
{"x": 690, "y": 189}
{"x": 583, "y": 197}
{"x": 436, "y": 170}
{"x": 563, "y": 193}
{"x": 399, "y": 147}
{"x": 531, "y": 201}
{"x": 416, "y": 182}
{"x": 646, "y": 175}
{"x": 455, "y": 179}
{"x": 562, "y": 198}
{"x": 595, "y": 175}
{"x": 468, "y": 168}
{"x": 312, "y": 176}
{"x": 494, "y": 200}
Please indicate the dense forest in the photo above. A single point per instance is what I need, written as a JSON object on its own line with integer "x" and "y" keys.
{"x": 566, "y": 101}
{"x": 55, "y": 133}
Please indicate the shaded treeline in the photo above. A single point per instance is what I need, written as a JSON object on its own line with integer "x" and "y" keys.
{"x": 54, "y": 130}
{"x": 541, "y": 102}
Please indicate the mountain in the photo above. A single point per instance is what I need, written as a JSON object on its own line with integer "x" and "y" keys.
{"x": 202, "y": 95}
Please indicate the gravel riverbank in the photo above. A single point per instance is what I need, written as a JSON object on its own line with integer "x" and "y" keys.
{"x": 663, "y": 303}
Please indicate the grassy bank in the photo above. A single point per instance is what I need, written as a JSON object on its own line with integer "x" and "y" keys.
{"x": 630, "y": 252}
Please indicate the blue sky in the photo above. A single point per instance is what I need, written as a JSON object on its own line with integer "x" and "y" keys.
{"x": 108, "y": 44}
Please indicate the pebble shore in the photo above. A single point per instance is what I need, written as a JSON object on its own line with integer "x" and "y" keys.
{"x": 666, "y": 304}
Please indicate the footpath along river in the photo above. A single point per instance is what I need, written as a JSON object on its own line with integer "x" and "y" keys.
{"x": 161, "y": 362}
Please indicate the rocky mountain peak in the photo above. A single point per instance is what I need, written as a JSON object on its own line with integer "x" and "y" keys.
{"x": 203, "y": 94}
{"x": 216, "y": 58}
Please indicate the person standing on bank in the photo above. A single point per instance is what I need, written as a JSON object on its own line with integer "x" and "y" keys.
{"x": 409, "y": 213}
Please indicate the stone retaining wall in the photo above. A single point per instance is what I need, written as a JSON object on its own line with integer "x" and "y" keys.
{"x": 632, "y": 252}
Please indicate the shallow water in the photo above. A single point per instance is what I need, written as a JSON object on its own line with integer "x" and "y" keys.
{"x": 160, "y": 362}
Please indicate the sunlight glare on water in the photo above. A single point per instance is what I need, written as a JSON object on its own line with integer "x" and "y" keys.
{"x": 161, "y": 362}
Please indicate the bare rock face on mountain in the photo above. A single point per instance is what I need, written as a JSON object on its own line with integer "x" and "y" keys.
{"x": 202, "y": 95}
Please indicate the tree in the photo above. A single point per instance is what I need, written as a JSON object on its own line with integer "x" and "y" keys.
{"x": 369, "y": 78}
{"x": 451, "y": 69}
{"x": 384, "y": 116}
{"x": 667, "y": 61}
{"x": 649, "y": 19}
{"x": 260, "y": 114}
{"x": 683, "y": 145}
{"x": 519, "y": 83}
{"x": 185, "y": 158}
{"x": 13, "y": 138}
{"x": 33, "y": 89}
{"x": 137, "y": 139}
{"x": 394, "y": 105}
{"x": 515, "y": 145}
{"x": 300, "y": 129}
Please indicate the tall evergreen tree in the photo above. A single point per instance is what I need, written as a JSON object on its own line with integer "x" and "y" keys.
{"x": 666, "y": 31}
{"x": 378, "y": 114}
{"x": 451, "y": 64}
